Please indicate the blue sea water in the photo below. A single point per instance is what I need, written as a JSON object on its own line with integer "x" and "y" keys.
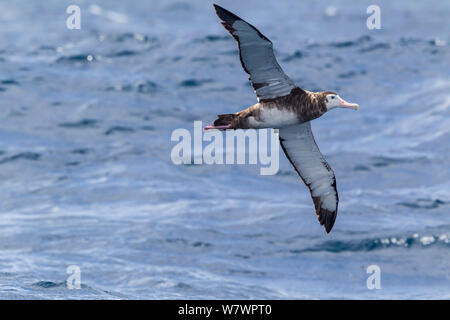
{"x": 86, "y": 177}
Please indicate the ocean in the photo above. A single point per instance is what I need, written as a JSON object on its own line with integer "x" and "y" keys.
{"x": 87, "y": 179}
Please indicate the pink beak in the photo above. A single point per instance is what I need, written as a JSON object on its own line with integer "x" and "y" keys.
{"x": 345, "y": 104}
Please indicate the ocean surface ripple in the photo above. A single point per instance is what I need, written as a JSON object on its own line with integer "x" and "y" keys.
{"x": 87, "y": 180}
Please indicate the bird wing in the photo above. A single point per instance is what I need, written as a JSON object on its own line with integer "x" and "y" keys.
{"x": 257, "y": 57}
{"x": 297, "y": 142}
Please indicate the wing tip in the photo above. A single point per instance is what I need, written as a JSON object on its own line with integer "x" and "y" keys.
{"x": 217, "y": 7}
{"x": 225, "y": 15}
{"x": 327, "y": 219}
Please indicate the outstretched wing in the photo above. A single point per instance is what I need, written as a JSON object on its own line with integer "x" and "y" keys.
{"x": 257, "y": 57}
{"x": 301, "y": 149}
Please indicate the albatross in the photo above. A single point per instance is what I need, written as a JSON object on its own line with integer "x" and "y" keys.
{"x": 284, "y": 106}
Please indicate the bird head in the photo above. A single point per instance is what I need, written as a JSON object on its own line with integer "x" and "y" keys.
{"x": 332, "y": 100}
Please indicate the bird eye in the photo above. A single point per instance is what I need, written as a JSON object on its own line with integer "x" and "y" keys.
{"x": 332, "y": 97}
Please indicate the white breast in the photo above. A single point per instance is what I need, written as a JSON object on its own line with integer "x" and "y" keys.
{"x": 273, "y": 118}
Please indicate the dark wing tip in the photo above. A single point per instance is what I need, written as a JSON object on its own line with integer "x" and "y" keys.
{"x": 326, "y": 218}
{"x": 226, "y": 15}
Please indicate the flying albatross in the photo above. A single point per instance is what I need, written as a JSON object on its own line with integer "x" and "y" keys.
{"x": 286, "y": 107}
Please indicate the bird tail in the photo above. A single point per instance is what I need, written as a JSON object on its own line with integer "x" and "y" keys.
{"x": 225, "y": 119}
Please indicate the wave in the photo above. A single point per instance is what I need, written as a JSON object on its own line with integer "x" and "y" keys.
{"x": 415, "y": 240}
{"x": 84, "y": 123}
{"x": 34, "y": 156}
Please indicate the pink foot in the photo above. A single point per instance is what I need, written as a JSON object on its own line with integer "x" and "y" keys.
{"x": 228, "y": 126}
